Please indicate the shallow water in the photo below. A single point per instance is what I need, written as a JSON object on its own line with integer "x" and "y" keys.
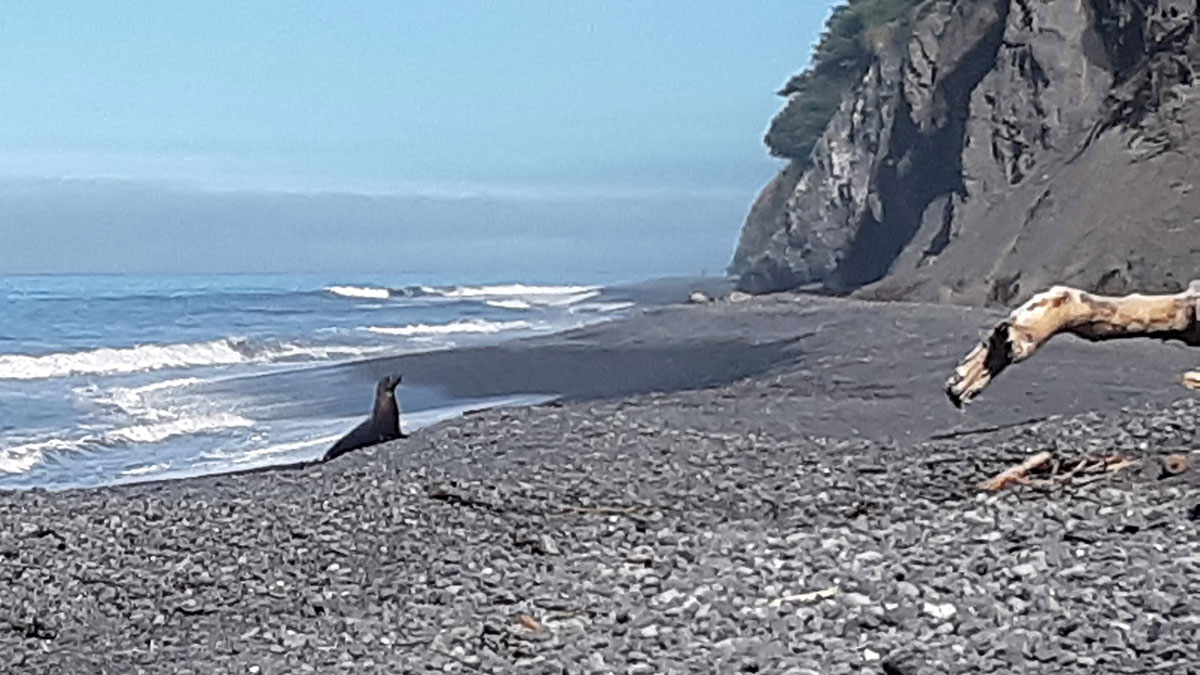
{"x": 108, "y": 379}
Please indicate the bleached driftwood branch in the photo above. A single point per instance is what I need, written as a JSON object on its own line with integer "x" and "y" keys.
{"x": 1063, "y": 309}
{"x": 1016, "y": 473}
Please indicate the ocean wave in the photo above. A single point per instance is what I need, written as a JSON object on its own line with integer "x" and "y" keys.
{"x": 23, "y": 457}
{"x": 142, "y": 358}
{"x": 502, "y": 290}
{"x": 605, "y": 306}
{"x": 161, "y": 431}
{"x": 290, "y": 351}
{"x": 541, "y": 301}
{"x": 360, "y": 292}
{"x": 112, "y": 361}
{"x": 145, "y": 469}
{"x": 502, "y": 296}
{"x": 509, "y": 304}
{"x": 131, "y": 400}
{"x": 464, "y": 326}
{"x": 568, "y": 300}
{"x": 281, "y": 448}
{"x": 521, "y": 297}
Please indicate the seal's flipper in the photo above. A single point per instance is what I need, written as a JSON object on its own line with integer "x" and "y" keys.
{"x": 358, "y": 437}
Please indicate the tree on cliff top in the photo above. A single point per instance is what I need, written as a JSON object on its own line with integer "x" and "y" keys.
{"x": 839, "y": 61}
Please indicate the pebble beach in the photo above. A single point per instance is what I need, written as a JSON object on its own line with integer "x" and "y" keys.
{"x": 809, "y": 504}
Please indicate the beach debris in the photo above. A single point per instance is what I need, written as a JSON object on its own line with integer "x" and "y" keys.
{"x": 1174, "y": 464}
{"x": 739, "y": 296}
{"x": 698, "y": 298}
{"x": 455, "y": 497}
{"x": 1016, "y": 473}
{"x": 1042, "y": 470}
{"x": 1063, "y": 309}
{"x": 530, "y": 622}
{"x": 525, "y": 627}
{"x": 813, "y": 596}
{"x": 1191, "y": 379}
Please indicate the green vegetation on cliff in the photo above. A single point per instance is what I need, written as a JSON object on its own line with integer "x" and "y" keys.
{"x": 839, "y": 61}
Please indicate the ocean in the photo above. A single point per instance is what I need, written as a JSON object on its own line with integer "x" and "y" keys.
{"x": 110, "y": 379}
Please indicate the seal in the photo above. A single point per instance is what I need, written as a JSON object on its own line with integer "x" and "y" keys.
{"x": 383, "y": 424}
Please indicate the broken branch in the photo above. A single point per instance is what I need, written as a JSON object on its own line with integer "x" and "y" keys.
{"x": 1063, "y": 309}
{"x": 1015, "y": 473}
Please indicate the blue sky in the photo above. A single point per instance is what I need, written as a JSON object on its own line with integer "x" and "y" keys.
{"x": 505, "y": 100}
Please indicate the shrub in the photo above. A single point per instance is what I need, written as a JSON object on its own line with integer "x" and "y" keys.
{"x": 839, "y": 61}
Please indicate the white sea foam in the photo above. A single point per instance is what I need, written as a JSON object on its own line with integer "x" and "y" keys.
{"x": 604, "y": 306}
{"x": 109, "y": 361}
{"x": 292, "y": 351}
{"x": 464, "y": 326}
{"x": 149, "y": 468}
{"x": 281, "y": 448}
{"x": 186, "y": 426}
{"x": 23, "y": 457}
{"x": 570, "y": 296}
{"x": 131, "y": 400}
{"x": 360, "y": 292}
{"x": 509, "y": 304}
{"x": 165, "y": 384}
{"x": 519, "y": 290}
{"x": 568, "y": 300}
{"x": 116, "y": 361}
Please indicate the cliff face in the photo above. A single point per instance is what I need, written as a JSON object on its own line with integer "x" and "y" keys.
{"x": 995, "y": 148}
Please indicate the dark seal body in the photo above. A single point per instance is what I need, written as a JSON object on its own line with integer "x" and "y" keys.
{"x": 383, "y": 424}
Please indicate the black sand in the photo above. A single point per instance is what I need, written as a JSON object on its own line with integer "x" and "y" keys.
{"x": 632, "y": 531}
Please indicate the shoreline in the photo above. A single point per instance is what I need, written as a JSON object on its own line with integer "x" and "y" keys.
{"x": 848, "y": 359}
{"x": 205, "y": 419}
{"x": 796, "y": 517}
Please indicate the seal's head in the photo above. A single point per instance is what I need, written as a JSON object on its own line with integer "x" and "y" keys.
{"x": 387, "y": 384}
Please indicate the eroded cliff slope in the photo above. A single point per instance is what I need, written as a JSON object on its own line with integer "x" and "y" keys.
{"x": 995, "y": 147}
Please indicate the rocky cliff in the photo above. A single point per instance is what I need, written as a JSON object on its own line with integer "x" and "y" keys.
{"x": 995, "y": 147}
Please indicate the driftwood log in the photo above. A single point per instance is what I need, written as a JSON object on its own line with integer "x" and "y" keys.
{"x": 1063, "y": 309}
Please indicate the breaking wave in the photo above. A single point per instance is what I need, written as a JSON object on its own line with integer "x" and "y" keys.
{"x": 513, "y": 296}
{"x": 503, "y": 290}
{"x": 509, "y": 304}
{"x": 464, "y": 326}
{"x": 23, "y": 457}
{"x": 605, "y": 306}
{"x": 360, "y": 292}
{"x": 118, "y": 361}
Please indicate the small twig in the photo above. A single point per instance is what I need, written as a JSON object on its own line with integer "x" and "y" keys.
{"x": 1016, "y": 473}
{"x": 1123, "y": 464}
{"x": 823, "y": 594}
{"x": 1066, "y": 478}
{"x": 530, "y": 623}
{"x": 447, "y": 496}
{"x": 1091, "y": 479}
{"x": 944, "y": 435}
